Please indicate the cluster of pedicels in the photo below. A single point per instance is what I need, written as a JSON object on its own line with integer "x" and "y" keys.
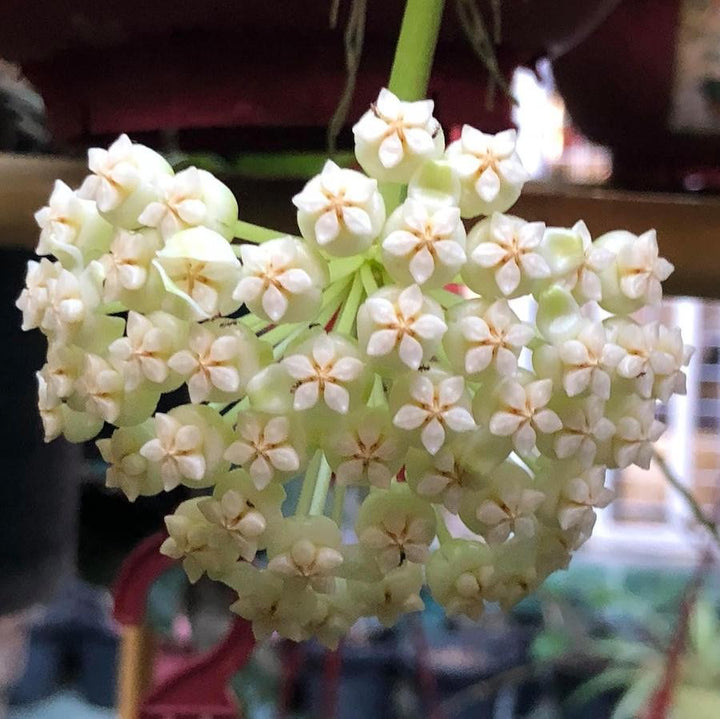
{"x": 342, "y": 357}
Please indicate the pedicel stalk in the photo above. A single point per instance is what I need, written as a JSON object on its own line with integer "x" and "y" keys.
{"x": 340, "y": 357}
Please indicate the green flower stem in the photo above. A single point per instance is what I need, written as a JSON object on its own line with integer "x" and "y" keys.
{"x": 308, "y": 486}
{"x": 231, "y": 415}
{"x": 415, "y": 49}
{"x": 280, "y": 332}
{"x": 410, "y": 72}
{"x": 445, "y": 298}
{"x": 280, "y": 347}
{"x": 368, "y": 279}
{"x": 443, "y": 533}
{"x": 322, "y": 486}
{"x": 377, "y": 396}
{"x": 253, "y": 322}
{"x": 255, "y": 233}
{"x": 342, "y": 267}
{"x": 392, "y": 194}
{"x": 348, "y": 314}
{"x": 335, "y": 293}
{"x": 695, "y": 508}
{"x": 338, "y": 504}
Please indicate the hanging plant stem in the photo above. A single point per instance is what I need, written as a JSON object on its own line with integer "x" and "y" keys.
{"x": 411, "y": 67}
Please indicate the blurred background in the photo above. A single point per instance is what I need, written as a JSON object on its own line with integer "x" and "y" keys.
{"x": 617, "y": 103}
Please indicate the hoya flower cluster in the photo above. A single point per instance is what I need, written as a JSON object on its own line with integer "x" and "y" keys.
{"x": 341, "y": 357}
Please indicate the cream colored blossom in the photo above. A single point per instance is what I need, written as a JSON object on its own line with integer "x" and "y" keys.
{"x": 307, "y": 550}
{"x": 200, "y": 267}
{"x": 268, "y": 447}
{"x": 341, "y": 211}
{"x": 504, "y": 257}
{"x": 218, "y": 360}
{"x": 143, "y": 354}
{"x": 400, "y": 324}
{"x": 482, "y": 337}
{"x": 435, "y": 404}
{"x": 490, "y": 170}
{"x": 523, "y": 413}
{"x": 71, "y": 228}
{"x": 323, "y": 371}
{"x": 394, "y": 138}
{"x": 423, "y": 246}
{"x": 396, "y": 526}
{"x": 281, "y": 280}
{"x": 124, "y": 180}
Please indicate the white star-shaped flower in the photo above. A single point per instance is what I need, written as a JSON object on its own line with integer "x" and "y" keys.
{"x": 127, "y": 469}
{"x": 403, "y": 322}
{"x": 423, "y": 247}
{"x": 523, "y": 413}
{"x": 459, "y": 575}
{"x": 367, "y": 451}
{"x": 584, "y": 281}
{"x": 340, "y": 210}
{"x": 668, "y": 358}
{"x": 115, "y": 174}
{"x": 142, "y": 355}
{"x": 636, "y": 430}
{"x": 71, "y": 226}
{"x": 180, "y": 205}
{"x": 443, "y": 478}
{"x": 588, "y": 360}
{"x": 178, "y": 451}
{"x": 265, "y": 447}
{"x": 199, "y": 266}
{"x": 280, "y": 280}
{"x": 580, "y": 495}
{"x": 584, "y": 428}
{"x": 323, "y": 372}
{"x": 307, "y": 549}
{"x": 638, "y": 357}
{"x": 50, "y": 407}
{"x": 64, "y": 365}
{"x": 239, "y": 516}
{"x": 102, "y": 388}
{"x": 394, "y": 138}
{"x": 200, "y": 544}
{"x": 487, "y": 337}
{"x": 209, "y": 363}
{"x": 490, "y": 170}
{"x": 397, "y": 593}
{"x": 641, "y": 269}
{"x": 509, "y": 510}
{"x": 60, "y": 302}
{"x": 34, "y": 300}
{"x": 124, "y": 179}
{"x": 396, "y": 526}
{"x": 128, "y": 262}
{"x": 435, "y": 406}
{"x": 191, "y": 198}
{"x": 504, "y": 256}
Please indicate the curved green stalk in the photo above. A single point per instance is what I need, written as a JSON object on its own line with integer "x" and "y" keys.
{"x": 308, "y": 485}
{"x": 415, "y": 49}
{"x": 348, "y": 314}
{"x": 443, "y": 533}
{"x": 411, "y": 67}
{"x": 255, "y": 233}
{"x": 322, "y": 486}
